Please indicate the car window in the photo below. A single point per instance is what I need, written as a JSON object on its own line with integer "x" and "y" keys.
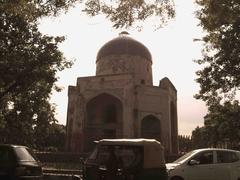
{"x": 204, "y": 157}
{"x": 185, "y": 156}
{"x": 6, "y": 155}
{"x": 24, "y": 154}
{"x": 226, "y": 157}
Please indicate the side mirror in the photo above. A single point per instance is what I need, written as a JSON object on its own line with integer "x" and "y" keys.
{"x": 193, "y": 162}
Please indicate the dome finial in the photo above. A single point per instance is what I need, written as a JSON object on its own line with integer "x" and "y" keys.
{"x": 123, "y": 33}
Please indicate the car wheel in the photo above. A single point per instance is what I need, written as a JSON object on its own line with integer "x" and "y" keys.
{"x": 177, "y": 178}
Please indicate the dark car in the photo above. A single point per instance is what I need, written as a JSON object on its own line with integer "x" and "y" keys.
{"x": 18, "y": 163}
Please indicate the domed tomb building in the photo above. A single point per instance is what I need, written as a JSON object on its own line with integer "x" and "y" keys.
{"x": 121, "y": 101}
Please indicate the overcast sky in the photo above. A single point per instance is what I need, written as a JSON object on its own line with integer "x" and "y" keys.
{"x": 172, "y": 49}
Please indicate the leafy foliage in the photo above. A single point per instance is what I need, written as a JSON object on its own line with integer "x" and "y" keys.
{"x": 32, "y": 9}
{"x": 223, "y": 122}
{"x": 220, "y": 77}
{"x": 56, "y": 137}
{"x": 221, "y": 125}
{"x": 199, "y": 138}
{"x": 124, "y": 13}
{"x": 53, "y": 139}
{"x": 29, "y": 62}
{"x": 185, "y": 143}
{"x": 27, "y": 57}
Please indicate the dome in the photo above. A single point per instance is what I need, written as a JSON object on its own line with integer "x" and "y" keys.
{"x": 124, "y": 45}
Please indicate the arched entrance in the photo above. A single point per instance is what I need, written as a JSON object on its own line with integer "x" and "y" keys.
{"x": 151, "y": 128}
{"x": 103, "y": 119}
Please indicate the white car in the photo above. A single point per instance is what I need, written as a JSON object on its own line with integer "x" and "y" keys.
{"x": 206, "y": 164}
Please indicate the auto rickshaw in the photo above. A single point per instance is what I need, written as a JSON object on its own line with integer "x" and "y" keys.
{"x": 126, "y": 159}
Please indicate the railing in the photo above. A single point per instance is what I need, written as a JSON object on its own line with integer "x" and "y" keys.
{"x": 61, "y": 163}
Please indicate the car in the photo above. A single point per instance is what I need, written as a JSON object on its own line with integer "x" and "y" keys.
{"x": 206, "y": 164}
{"x": 19, "y": 163}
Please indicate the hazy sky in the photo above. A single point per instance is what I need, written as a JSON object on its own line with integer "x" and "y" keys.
{"x": 172, "y": 49}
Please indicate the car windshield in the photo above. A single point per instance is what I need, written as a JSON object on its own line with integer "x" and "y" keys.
{"x": 182, "y": 158}
{"x": 25, "y": 154}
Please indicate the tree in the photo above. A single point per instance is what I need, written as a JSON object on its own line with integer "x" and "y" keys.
{"x": 199, "y": 138}
{"x": 220, "y": 77}
{"x": 122, "y": 13}
{"x": 33, "y": 10}
{"x": 125, "y": 13}
{"x": 56, "y": 137}
{"x": 221, "y": 125}
{"x": 224, "y": 121}
{"x": 185, "y": 143}
{"x": 26, "y": 55}
{"x": 28, "y": 65}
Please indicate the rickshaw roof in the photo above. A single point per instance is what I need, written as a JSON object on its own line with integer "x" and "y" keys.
{"x": 130, "y": 142}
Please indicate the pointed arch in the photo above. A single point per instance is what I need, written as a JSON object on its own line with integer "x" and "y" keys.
{"x": 104, "y": 108}
{"x": 151, "y": 128}
{"x": 103, "y": 119}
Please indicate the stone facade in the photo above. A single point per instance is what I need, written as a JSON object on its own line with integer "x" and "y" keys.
{"x": 121, "y": 101}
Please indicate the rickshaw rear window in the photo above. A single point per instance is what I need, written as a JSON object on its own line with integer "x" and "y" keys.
{"x": 128, "y": 156}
